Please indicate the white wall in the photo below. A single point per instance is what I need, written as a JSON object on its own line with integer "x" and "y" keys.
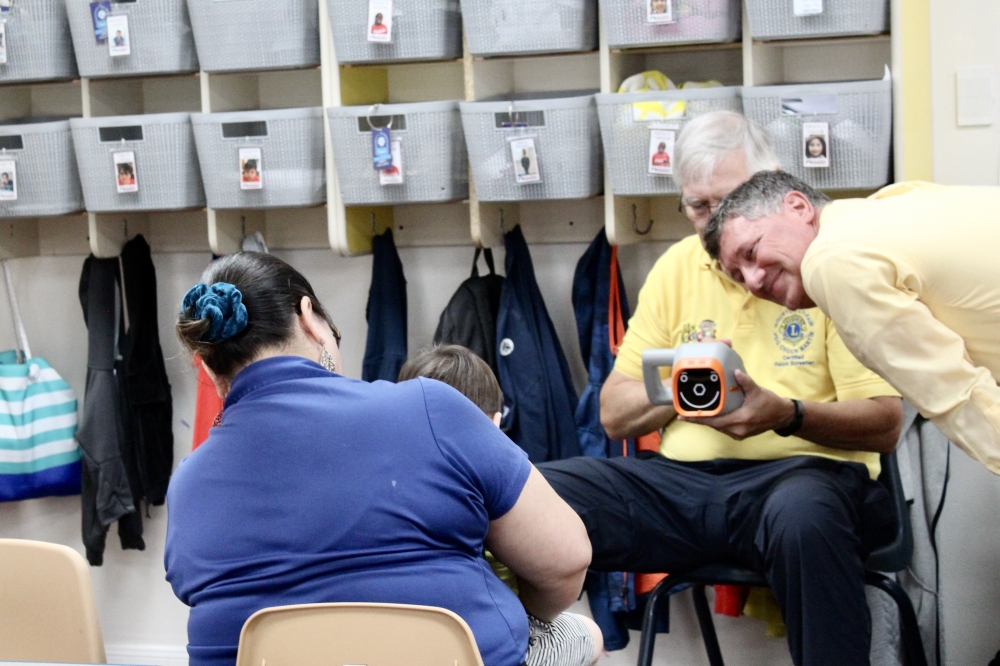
{"x": 964, "y": 35}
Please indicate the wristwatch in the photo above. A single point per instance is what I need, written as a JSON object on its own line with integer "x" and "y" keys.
{"x": 796, "y": 422}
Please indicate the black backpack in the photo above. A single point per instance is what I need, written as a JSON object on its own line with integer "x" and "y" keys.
{"x": 470, "y": 318}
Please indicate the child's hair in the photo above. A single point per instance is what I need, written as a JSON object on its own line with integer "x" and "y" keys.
{"x": 461, "y": 369}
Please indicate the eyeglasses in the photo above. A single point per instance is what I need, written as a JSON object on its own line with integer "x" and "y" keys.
{"x": 336, "y": 333}
{"x": 697, "y": 210}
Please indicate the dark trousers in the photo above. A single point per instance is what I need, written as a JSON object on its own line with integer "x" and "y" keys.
{"x": 806, "y": 523}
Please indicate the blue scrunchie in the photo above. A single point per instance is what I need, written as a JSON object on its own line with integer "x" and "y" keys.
{"x": 222, "y": 305}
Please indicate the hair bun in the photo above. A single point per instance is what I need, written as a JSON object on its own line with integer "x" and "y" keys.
{"x": 222, "y": 305}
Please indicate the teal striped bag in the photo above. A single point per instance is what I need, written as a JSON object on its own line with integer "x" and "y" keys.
{"x": 38, "y": 453}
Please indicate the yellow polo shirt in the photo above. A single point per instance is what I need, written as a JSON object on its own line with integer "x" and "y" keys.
{"x": 796, "y": 354}
{"x": 911, "y": 275}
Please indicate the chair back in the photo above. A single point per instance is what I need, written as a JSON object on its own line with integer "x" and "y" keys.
{"x": 356, "y": 633}
{"x": 895, "y": 555}
{"x": 47, "y": 605}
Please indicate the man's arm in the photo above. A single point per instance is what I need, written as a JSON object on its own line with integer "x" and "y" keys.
{"x": 894, "y": 334}
{"x": 625, "y": 408}
{"x": 871, "y": 424}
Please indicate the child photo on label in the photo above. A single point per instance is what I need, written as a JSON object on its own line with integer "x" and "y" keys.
{"x": 394, "y": 174}
{"x": 815, "y": 145}
{"x": 8, "y": 180}
{"x": 125, "y": 173}
{"x": 3, "y": 42}
{"x": 251, "y": 169}
{"x": 526, "y": 170}
{"x": 380, "y": 21}
{"x": 659, "y": 11}
{"x": 661, "y": 152}
{"x": 119, "y": 43}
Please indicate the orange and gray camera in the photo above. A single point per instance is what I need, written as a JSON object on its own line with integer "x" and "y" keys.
{"x": 702, "y": 381}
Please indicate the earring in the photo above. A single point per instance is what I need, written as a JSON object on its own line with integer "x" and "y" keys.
{"x": 327, "y": 361}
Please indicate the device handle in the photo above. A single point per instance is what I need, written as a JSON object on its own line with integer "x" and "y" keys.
{"x": 652, "y": 361}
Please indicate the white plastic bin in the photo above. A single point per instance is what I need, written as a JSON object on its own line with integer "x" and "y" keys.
{"x": 159, "y": 39}
{"x": 435, "y": 166}
{"x": 566, "y": 141}
{"x": 627, "y": 23}
{"x": 165, "y": 165}
{"x": 859, "y": 115}
{"x": 421, "y": 30}
{"x": 254, "y": 35}
{"x": 39, "y": 47}
{"x": 519, "y": 27}
{"x": 776, "y": 19}
{"x": 291, "y": 167}
{"x": 626, "y": 124}
{"x": 45, "y": 174}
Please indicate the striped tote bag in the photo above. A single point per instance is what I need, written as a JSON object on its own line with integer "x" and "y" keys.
{"x": 38, "y": 453}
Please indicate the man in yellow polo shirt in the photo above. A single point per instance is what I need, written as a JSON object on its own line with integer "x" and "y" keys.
{"x": 911, "y": 276}
{"x": 783, "y": 485}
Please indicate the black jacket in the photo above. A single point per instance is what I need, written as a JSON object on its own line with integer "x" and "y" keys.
{"x": 125, "y": 431}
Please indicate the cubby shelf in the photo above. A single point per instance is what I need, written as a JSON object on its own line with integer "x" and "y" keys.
{"x": 348, "y": 229}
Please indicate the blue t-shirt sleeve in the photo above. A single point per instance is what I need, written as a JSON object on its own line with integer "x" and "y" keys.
{"x": 471, "y": 443}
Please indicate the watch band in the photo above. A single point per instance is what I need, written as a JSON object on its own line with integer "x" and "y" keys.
{"x": 796, "y": 422}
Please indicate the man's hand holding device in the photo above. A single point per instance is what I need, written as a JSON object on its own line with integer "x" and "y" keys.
{"x": 710, "y": 386}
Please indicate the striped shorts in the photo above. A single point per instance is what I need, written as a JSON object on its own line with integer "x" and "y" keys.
{"x": 566, "y": 641}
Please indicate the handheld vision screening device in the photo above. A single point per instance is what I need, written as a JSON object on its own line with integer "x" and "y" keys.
{"x": 702, "y": 381}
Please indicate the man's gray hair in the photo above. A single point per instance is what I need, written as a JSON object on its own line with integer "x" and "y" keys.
{"x": 710, "y": 138}
{"x": 761, "y": 196}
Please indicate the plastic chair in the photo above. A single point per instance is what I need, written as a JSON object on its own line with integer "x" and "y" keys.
{"x": 48, "y": 605}
{"x": 356, "y": 633}
{"x": 892, "y": 557}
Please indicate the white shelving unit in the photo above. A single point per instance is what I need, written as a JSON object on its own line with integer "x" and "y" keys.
{"x": 348, "y": 230}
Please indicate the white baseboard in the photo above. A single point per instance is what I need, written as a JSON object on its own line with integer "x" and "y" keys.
{"x": 147, "y": 655}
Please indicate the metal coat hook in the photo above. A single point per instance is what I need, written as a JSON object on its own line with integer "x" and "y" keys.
{"x": 125, "y": 227}
{"x": 372, "y": 218}
{"x": 635, "y": 222}
{"x": 243, "y": 225}
{"x": 503, "y": 230}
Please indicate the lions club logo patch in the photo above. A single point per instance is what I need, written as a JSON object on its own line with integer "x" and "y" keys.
{"x": 793, "y": 331}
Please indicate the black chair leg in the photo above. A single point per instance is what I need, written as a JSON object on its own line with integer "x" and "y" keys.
{"x": 656, "y": 603}
{"x": 707, "y": 626}
{"x": 913, "y": 645}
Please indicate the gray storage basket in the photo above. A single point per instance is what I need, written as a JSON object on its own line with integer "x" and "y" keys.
{"x": 435, "y": 165}
{"x": 159, "y": 33}
{"x": 39, "y": 47}
{"x": 508, "y": 27}
{"x": 626, "y": 140}
{"x": 860, "y": 130}
{"x": 696, "y": 22}
{"x": 293, "y": 161}
{"x": 567, "y": 141}
{"x": 775, "y": 19}
{"x": 166, "y": 162}
{"x": 421, "y": 30}
{"x": 46, "y": 178}
{"x": 253, "y": 35}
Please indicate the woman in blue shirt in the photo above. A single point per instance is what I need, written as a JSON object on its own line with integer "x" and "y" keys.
{"x": 318, "y": 488}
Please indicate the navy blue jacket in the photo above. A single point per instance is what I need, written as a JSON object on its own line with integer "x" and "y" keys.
{"x": 385, "y": 347}
{"x": 534, "y": 376}
{"x": 613, "y": 593}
